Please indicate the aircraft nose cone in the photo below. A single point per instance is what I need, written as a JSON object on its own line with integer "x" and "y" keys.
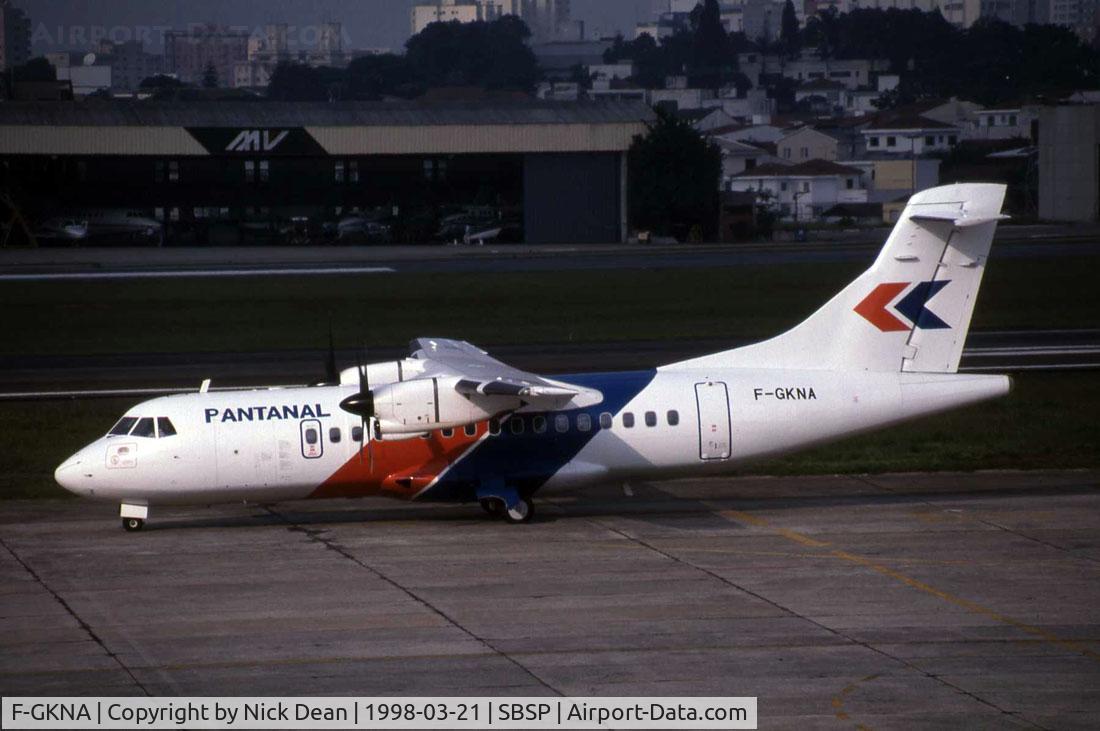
{"x": 66, "y": 474}
{"x": 75, "y": 476}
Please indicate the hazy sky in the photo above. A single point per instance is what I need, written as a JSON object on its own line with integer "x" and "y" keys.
{"x": 368, "y": 23}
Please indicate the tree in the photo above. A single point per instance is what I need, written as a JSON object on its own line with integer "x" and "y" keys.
{"x": 210, "y": 77}
{"x": 711, "y": 58}
{"x": 160, "y": 81}
{"x": 822, "y": 32}
{"x": 370, "y": 78}
{"x": 490, "y": 55}
{"x": 674, "y": 175}
{"x": 294, "y": 82}
{"x": 650, "y": 60}
{"x": 789, "y": 37}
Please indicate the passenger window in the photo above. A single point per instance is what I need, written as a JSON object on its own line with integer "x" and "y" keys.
{"x": 357, "y": 434}
{"x": 673, "y": 418}
{"x": 561, "y": 423}
{"x": 584, "y": 422}
{"x": 334, "y": 435}
{"x": 606, "y": 421}
{"x": 538, "y": 424}
{"x": 165, "y": 428}
{"x": 651, "y": 418}
{"x": 448, "y": 433}
{"x": 470, "y": 430}
{"x": 517, "y": 424}
{"x": 628, "y": 420}
{"x": 494, "y": 426}
{"x": 144, "y": 428}
{"x": 123, "y": 427}
{"x": 311, "y": 436}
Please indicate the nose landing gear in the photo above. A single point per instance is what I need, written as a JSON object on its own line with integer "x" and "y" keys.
{"x": 133, "y": 516}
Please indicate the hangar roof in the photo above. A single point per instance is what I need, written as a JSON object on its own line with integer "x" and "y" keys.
{"x": 339, "y": 114}
{"x": 344, "y": 128}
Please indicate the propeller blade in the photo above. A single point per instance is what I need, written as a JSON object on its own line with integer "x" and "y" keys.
{"x": 366, "y": 437}
{"x": 370, "y": 453}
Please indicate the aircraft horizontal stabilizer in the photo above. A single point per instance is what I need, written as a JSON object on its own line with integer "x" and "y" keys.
{"x": 957, "y": 220}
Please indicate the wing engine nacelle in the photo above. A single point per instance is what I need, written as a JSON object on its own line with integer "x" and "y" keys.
{"x": 390, "y": 371}
{"x": 426, "y": 404}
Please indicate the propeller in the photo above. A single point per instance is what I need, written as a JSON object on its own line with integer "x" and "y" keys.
{"x": 362, "y": 405}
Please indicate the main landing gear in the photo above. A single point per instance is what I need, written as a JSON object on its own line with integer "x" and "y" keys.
{"x": 522, "y": 512}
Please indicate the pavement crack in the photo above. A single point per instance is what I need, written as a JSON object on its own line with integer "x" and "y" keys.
{"x": 72, "y": 613}
{"x": 318, "y": 537}
{"x": 831, "y": 630}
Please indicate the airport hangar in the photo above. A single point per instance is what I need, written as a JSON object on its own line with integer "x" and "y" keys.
{"x": 233, "y": 172}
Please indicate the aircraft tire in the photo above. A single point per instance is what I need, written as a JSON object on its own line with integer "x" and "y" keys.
{"x": 494, "y": 507}
{"x": 132, "y": 525}
{"x": 523, "y": 512}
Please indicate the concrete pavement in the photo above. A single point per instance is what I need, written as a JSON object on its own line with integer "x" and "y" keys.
{"x": 896, "y": 601}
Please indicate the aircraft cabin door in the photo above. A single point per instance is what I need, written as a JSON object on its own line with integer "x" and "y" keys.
{"x": 712, "y": 400}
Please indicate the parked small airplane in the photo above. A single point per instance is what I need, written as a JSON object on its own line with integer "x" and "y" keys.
{"x": 450, "y": 423}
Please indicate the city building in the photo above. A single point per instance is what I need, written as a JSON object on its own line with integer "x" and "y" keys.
{"x": 236, "y": 172}
{"x": 853, "y": 73}
{"x": 560, "y": 59}
{"x": 189, "y": 53}
{"x": 1002, "y": 124}
{"x": 761, "y": 20}
{"x": 130, "y": 63}
{"x": 274, "y": 45}
{"x": 706, "y": 120}
{"x": 15, "y": 36}
{"x": 805, "y": 191}
{"x": 446, "y": 11}
{"x": 739, "y": 157}
{"x": 806, "y": 144}
{"x": 822, "y": 96}
{"x": 1078, "y": 14}
{"x": 86, "y": 72}
{"x": 910, "y": 135}
{"x": 548, "y": 20}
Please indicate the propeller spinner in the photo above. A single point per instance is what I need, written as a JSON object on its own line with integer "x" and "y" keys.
{"x": 362, "y": 405}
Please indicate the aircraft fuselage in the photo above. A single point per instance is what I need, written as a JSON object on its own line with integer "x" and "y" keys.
{"x": 288, "y": 444}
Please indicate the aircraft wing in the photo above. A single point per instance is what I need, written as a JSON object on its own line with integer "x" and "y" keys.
{"x": 479, "y": 373}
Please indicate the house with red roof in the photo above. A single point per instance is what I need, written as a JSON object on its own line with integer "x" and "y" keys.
{"x": 803, "y": 192}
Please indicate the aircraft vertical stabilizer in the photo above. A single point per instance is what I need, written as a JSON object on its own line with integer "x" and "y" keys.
{"x": 911, "y": 310}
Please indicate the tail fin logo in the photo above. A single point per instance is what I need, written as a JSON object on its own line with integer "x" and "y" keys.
{"x": 913, "y": 306}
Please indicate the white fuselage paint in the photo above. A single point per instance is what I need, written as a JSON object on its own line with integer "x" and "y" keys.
{"x": 215, "y": 459}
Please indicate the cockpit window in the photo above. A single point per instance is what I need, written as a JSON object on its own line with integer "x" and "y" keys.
{"x": 123, "y": 427}
{"x": 144, "y": 428}
{"x": 165, "y": 427}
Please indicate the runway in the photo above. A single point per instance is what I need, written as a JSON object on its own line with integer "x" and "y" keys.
{"x": 76, "y": 264}
{"x": 44, "y": 377}
{"x": 897, "y": 601}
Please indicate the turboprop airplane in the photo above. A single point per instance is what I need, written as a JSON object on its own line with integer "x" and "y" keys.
{"x": 449, "y": 423}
